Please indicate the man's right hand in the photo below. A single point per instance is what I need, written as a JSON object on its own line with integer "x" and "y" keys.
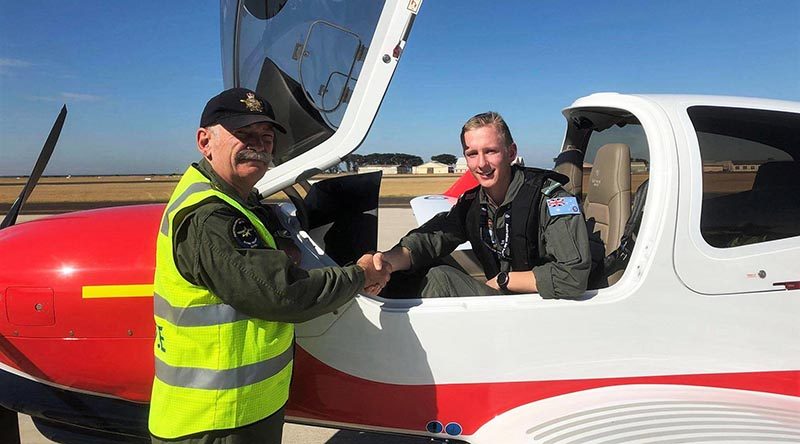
{"x": 375, "y": 277}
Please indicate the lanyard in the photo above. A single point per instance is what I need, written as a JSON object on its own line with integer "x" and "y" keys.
{"x": 501, "y": 249}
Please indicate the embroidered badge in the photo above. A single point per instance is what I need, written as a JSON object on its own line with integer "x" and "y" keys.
{"x": 253, "y": 104}
{"x": 245, "y": 234}
{"x": 559, "y": 206}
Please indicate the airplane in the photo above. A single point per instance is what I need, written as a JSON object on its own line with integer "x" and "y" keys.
{"x": 694, "y": 338}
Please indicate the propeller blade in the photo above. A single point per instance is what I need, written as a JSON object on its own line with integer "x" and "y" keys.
{"x": 38, "y": 169}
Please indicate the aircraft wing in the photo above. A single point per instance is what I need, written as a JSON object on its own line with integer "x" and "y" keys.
{"x": 425, "y": 207}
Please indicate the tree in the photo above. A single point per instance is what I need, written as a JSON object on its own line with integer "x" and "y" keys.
{"x": 447, "y": 159}
{"x": 389, "y": 159}
{"x": 408, "y": 160}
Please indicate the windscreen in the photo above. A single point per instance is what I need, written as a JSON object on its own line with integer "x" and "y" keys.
{"x": 304, "y": 57}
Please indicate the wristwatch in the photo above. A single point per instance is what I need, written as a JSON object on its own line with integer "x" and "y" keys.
{"x": 502, "y": 280}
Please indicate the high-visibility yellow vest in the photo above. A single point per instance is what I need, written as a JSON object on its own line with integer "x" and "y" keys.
{"x": 216, "y": 368}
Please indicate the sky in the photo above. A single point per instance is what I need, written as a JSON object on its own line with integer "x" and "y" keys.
{"x": 136, "y": 75}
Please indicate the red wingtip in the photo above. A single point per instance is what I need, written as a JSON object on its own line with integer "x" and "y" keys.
{"x": 465, "y": 182}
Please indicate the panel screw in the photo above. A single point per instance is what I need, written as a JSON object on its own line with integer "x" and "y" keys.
{"x": 387, "y": 58}
{"x": 38, "y": 307}
{"x": 130, "y": 332}
{"x": 71, "y": 333}
{"x": 762, "y": 274}
{"x": 16, "y": 332}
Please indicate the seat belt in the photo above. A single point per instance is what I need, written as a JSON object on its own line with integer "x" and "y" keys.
{"x": 618, "y": 259}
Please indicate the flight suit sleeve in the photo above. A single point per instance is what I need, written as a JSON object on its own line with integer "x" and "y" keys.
{"x": 564, "y": 243}
{"x": 438, "y": 237}
{"x": 260, "y": 281}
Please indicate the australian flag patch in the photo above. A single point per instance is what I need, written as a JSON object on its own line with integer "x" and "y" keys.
{"x": 559, "y": 206}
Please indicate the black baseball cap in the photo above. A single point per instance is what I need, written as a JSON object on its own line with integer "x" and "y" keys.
{"x": 236, "y": 108}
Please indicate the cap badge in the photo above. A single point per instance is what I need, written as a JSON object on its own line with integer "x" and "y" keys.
{"x": 253, "y": 104}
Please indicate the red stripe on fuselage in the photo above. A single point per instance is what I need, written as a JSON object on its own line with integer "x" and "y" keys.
{"x": 322, "y": 393}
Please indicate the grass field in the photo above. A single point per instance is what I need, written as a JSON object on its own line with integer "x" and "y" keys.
{"x": 58, "y": 194}
{"x": 61, "y": 193}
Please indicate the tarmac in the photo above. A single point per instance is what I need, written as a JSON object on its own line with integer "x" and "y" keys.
{"x": 393, "y": 222}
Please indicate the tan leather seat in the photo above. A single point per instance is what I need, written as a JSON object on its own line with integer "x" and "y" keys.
{"x": 570, "y": 163}
{"x": 608, "y": 200}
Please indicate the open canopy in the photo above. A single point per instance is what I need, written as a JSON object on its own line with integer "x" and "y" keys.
{"x": 324, "y": 66}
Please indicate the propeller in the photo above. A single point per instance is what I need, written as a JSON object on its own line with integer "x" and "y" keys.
{"x": 41, "y": 163}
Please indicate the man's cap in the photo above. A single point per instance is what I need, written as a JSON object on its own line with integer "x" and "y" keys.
{"x": 236, "y": 108}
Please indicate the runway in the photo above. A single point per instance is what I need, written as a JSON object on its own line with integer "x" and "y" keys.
{"x": 392, "y": 224}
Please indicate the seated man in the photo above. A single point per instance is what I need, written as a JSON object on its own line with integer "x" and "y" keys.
{"x": 526, "y": 230}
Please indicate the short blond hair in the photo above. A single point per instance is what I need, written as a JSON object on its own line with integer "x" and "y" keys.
{"x": 485, "y": 119}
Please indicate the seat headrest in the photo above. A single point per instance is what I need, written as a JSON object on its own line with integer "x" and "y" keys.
{"x": 777, "y": 174}
{"x": 570, "y": 163}
{"x": 572, "y": 156}
{"x": 611, "y": 172}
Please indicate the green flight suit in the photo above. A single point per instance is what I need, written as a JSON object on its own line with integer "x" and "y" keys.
{"x": 255, "y": 279}
{"x": 260, "y": 282}
{"x": 562, "y": 240}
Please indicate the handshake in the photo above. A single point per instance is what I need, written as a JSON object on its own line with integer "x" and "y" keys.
{"x": 377, "y": 271}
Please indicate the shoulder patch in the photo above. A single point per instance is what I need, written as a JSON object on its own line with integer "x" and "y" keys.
{"x": 245, "y": 234}
{"x": 559, "y": 206}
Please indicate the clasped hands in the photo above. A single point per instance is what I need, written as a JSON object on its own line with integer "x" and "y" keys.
{"x": 377, "y": 272}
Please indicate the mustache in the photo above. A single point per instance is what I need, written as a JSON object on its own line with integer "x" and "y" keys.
{"x": 249, "y": 154}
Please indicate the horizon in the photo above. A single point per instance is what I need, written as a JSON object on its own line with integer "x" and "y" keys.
{"x": 135, "y": 97}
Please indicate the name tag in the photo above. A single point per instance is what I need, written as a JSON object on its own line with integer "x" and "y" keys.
{"x": 559, "y": 206}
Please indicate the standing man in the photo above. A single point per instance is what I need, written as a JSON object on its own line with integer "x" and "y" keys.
{"x": 526, "y": 230}
{"x": 227, "y": 294}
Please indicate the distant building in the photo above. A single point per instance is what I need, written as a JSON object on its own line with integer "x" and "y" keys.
{"x": 461, "y": 166}
{"x": 639, "y": 166}
{"x": 387, "y": 169}
{"x": 714, "y": 167}
{"x": 431, "y": 167}
{"x": 745, "y": 166}
{"x": 732, "y": 166}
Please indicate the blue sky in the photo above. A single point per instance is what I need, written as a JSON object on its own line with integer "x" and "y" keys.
{"x": 135, "y": 75}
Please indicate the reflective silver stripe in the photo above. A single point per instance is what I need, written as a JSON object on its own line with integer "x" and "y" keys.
{"x": 193, "y": 188}
{"x": 201, "y": 378}
{"x": 200, "y": 316}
